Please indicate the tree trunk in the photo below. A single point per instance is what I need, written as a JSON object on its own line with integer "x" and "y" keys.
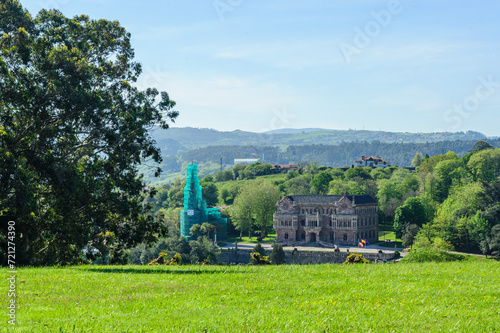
{"x": 241, "y": 234}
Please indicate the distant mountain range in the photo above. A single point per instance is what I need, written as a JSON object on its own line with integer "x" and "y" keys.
{"x": 177, "y": 139}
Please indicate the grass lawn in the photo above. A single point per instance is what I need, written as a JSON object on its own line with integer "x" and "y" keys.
{"x": 430, "y": 297}
{"x": 269, "y": 239}
{"x": 387, "y": 232}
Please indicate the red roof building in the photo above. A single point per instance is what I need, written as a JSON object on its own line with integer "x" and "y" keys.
{"x": 372, "y": 161}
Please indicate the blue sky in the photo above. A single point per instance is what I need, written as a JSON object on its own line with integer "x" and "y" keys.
{"x": 406, "y": 66}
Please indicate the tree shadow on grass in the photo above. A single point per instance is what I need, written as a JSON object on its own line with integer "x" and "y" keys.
{"x": 162, "y": 270}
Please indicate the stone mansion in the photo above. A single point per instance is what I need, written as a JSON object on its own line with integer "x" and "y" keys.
{"x": 335, "y": 219}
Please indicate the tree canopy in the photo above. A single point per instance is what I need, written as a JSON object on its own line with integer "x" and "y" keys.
{"x": 73, "y": 129}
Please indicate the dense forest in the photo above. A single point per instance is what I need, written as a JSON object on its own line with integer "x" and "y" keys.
{"x": 341, "y": 155}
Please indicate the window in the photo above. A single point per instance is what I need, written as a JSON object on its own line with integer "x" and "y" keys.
{"x": 303, "y": 222}
{"x": 286, "y": 235}
{"x": 303, "y": 236}
{"x": 302, "y": 210}
{"x": 332, "y": 236}
{"x": 345, "y": 237}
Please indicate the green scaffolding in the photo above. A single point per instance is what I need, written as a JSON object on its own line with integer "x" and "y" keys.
{"x": 195, "y": 208}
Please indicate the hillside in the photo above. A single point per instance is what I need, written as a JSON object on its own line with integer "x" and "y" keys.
{"x": 340, "y": 155}
{"x": 176, "y": 139}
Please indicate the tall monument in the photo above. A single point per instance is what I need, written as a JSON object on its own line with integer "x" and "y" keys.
{"x": 195, "y": 208}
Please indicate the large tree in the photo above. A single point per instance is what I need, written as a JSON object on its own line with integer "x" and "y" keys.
{"x": 241, "y": 212}
{"x": 411, "y": 212}
{"x": 73, "y": 129}
{"x": 255, "y": 204}
{"x": 266, "y": 195}
{"x": 320, "y": 182}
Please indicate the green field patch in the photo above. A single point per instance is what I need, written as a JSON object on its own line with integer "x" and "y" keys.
{"x": 268, "y": 239}
{"x": 456, "y": 296}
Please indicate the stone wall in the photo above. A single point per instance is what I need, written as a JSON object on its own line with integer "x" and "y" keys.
{"x": 228, "y": 256}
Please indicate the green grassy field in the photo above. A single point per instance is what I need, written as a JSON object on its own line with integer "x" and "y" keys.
{"x": 387, "y": 232}
{"x": 459, "y": 297}
{"x": 268, "y": 239}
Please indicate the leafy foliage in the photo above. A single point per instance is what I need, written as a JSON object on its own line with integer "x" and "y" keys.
{"x": 409, "y": 233}
{"x": 162, "y": 260}
{"x": 73, "y": 130}
{"x": 320, "y": 182}
{"x": 257, "y": 258}
{"x": 255, "y": 205}
{"x": 356, "y": 258}
{"x": 192, "y": 252}
{"x": 259, "y": 248}
{"x": 411, "y": 212}
{"x": 277, "y": 255}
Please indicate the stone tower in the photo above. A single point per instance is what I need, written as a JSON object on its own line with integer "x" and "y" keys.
{"x": 195, "y": 208}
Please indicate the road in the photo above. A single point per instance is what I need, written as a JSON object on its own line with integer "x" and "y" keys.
{"x": 372, "y": 248}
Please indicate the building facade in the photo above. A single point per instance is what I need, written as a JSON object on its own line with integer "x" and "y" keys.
{"x": 336, "y": 219}
{"x": 247, "y": 161}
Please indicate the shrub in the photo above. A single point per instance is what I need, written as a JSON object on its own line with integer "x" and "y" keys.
{"x": 262, "y": 253}
{"x": 429, "y": 255}
{"x": 356, "y": 258}
{"x": 202, "y": 249}
{"x": 278, "y": 255}
{"x": 257, "y": 259}
{"x": 162, "y": 260}
{"x": 259, "y": 248}
{"x": 397, "y": 254}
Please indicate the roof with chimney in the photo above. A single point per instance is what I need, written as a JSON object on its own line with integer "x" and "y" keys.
{"x": 372, "y": 158}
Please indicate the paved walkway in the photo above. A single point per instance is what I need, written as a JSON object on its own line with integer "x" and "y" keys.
{"x": 372, "y": 248}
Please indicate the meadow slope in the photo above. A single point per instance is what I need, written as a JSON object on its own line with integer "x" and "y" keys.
{"x": 459, "y": 296}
